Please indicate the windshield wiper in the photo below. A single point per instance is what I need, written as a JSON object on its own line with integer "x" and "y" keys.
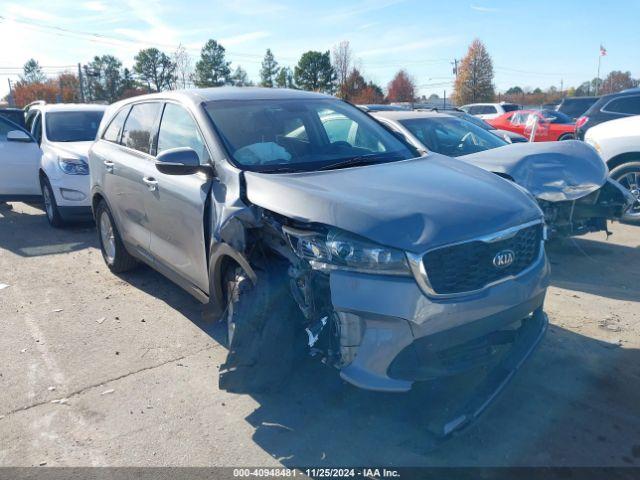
{"x": 352, "y": 162}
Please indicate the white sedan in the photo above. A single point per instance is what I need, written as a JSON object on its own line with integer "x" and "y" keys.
{"x": 618, "y": 143}
{"x": 19, "y": 164}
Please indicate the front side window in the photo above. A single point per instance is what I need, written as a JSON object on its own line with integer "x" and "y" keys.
{"x": 73, "y": 126}
{"x": 451, "y": 136}
{"x": 489, "y": 110}
{"x": 178, "y": 129}
{"x": 292, "y": 134}
{"x": 112, "y": 132}
{"x": 6, "y": 127}
{"x": 139, "y": 128}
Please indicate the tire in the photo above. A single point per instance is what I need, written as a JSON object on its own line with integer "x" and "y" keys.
{"x": 567, "y": 136}
{"x": 263, "y": 338}
{"x": 114, "y": 253}
{"x": 50, "y": 204}
{"x": 624, "y": 174}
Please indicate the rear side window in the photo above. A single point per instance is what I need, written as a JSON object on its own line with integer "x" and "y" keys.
{"x": 139, "y": 128}
{"x": 178, "y": 129}
{"x": 509, "y": 107}
{"x": 112, "y": 133}
{"x": 625, "y": 105}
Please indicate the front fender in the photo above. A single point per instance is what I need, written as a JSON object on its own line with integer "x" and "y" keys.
{"x": 220, "y": 254}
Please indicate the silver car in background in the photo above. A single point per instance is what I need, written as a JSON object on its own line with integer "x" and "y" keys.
{"x": 334, "y": 237}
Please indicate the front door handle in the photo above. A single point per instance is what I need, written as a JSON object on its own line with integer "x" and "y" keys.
{"x": 151, "y": 183}
{"x": 108, "y": 166}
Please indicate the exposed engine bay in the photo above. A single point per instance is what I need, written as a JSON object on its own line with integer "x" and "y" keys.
{"x": 586, "y": 214}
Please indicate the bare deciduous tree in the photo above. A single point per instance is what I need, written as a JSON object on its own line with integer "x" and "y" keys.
{"x": 342, "y": 57}
{"x": 184, "y": 67}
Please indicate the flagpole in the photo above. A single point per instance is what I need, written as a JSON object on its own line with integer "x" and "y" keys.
{"x": 598, "y": 76}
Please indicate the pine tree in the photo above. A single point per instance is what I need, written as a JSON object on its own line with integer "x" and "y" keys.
{"x": 269, "y": 70}
{"x": 212, "y": 70}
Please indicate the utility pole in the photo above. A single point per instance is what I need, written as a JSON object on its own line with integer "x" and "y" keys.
{"x": 80, "y": 83}
{"x": 11, "y": 99}
{"x": 444, "y": 101}
{"x": 455, "y": 67}
{"x": 561, "y": 88}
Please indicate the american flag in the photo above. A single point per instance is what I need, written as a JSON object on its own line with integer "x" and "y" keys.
{"x": 603, "y": 51}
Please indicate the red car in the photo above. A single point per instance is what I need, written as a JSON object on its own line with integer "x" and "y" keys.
{"x": 552, "y": 125}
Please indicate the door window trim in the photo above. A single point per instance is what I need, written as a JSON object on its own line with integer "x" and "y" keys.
{"x": 113, "y": 118}
{"x": 604, "y": 107}
{"x": 154, "y": 129}
{"x": 195, "y": 121}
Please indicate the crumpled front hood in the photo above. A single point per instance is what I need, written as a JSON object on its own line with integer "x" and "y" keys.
{"x": 72, "y": 149}
{"x": 412, "y": 205}
{"x": 552, "y": 171}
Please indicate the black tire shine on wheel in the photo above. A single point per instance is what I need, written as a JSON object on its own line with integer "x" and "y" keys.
{"x": 113, "y": 250}
{"x": 50, "y": 204}
{"x": 628, "y": 175}
{"x": 263, "y": 340}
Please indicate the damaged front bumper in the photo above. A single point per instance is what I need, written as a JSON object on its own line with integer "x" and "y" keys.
{"x": 395, "y": 335}
{"x": 588, "y": 213}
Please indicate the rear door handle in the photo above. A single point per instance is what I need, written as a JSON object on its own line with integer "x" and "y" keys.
{"x": 108, "y": 166}
{"x": 151, "y": 183}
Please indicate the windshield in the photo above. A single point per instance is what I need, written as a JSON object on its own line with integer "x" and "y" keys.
{"x": 297, "y": 135}
{"x": 452, "y": 136}
{"x": 73, "y": 126}
{"x": 478, "y": 122}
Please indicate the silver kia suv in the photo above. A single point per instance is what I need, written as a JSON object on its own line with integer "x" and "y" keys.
{"x": 331, "y": 237}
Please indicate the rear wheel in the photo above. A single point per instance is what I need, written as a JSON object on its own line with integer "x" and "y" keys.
{"x": 261, "y": 326}
{"x": 113, "y": 250}
{"x": 567, "y": 136}
{"x": 50, "y": 205}
{"x": 628, "y": 175}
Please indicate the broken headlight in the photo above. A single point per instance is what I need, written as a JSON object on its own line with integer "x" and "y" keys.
{"x": 339, "y": 250}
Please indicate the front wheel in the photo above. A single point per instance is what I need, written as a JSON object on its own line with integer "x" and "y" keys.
{"x": 628, "y": 175}
{"x": 113, "y": 250}
{"x": 567, "y": 136}
{"x": 50, "y": 204}
{"x": 262, "y": 333}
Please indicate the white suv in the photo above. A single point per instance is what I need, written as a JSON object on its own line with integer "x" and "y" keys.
{"x": 64, "y": 132}
{"x": 618, "y": 143}
{"x": 487, "y": 111}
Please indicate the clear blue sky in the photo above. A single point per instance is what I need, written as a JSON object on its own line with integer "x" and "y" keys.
{"x": 533, "y": 44}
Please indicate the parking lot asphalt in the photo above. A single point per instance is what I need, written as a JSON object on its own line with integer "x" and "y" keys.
{"x": 99, "y": 370}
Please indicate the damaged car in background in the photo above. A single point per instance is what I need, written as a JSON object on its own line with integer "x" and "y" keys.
{"x": 568, "y": 179}
{"x": 339, "y": 240}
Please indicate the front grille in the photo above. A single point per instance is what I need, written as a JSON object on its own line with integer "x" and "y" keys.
{"x": 469, "y": 266}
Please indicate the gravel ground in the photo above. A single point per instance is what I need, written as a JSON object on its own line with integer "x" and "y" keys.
{"x": 100, "y": 370}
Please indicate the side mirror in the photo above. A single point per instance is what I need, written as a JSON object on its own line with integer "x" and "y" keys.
{"x": 18, "y": 136}
{"x": 180, "y": 161}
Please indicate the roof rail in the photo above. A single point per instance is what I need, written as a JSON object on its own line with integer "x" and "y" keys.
{"x": 37, "y": 102}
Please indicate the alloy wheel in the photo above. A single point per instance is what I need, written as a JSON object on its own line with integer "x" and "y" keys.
{"x": 107, "y": 237}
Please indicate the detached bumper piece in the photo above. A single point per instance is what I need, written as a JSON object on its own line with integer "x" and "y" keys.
{"x": 518, "y": 341}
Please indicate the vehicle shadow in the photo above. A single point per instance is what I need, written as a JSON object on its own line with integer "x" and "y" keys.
{"x": 566, "y": 407}
{"x": 575, "y": 402}
{"x": 595, "y": 267}
{"x": 41, "y": 239}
